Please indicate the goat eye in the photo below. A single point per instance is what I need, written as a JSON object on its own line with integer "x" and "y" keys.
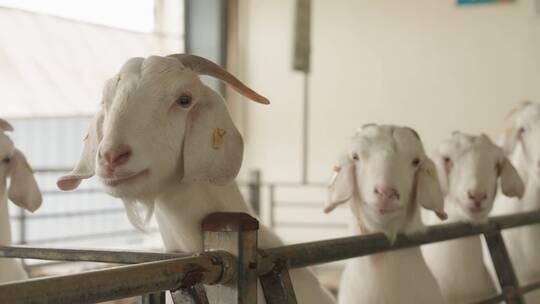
{"x": 521, "y": 130}
{"x": 184, "y": 100}
{"x": 6, "y": 160}
{"x": 447, "y": 160}
{"x": 416, "y": 162}
{"x": 355, "y": 156}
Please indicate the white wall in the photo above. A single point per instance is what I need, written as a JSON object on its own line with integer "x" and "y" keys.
{"x": 428, "y": 64}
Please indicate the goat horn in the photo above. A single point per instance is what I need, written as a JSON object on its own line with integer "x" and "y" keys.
{"x": 206, "y": 67}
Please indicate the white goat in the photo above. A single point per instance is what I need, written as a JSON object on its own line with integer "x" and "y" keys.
{"x": 385, "y": 176}
{"x": 22, "y": 190}
{"x": 521, "y": 143}
{"x": 163, "y": 138}
{"x": 469, "y": 168}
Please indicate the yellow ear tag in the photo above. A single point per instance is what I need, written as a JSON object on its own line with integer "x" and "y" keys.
{"x": 508, "y": 131}
{"x": 431, "y": 173}
{"x": 218, "y": 138}
{"x": 337, "y": 168}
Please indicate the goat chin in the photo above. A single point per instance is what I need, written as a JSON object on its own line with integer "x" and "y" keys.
{"x": 179, "y": 213}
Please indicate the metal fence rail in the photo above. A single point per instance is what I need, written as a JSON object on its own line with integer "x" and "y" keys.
{"x": 236, "y": 235}
{"x": 119, "y": 282}
{"x": 86, "y": 255}
{"x": 272, "y": 264}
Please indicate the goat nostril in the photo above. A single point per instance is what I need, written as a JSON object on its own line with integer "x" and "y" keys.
{"x": 386, "y": 192}
{"x": 123, "y": 157}
{"x": 116, "y": 157}
{"x": 477, "y": 197}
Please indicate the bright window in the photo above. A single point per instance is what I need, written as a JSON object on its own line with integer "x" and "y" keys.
{"x": 135, "y": 15}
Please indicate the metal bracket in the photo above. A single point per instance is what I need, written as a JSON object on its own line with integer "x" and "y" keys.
{"x": 153, "y": 298}
{"x": 195, "y": 294}
{"x": 277, "y": 285}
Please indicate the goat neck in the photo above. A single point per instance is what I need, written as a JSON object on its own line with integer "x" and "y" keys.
{"x": 182, "y": 207}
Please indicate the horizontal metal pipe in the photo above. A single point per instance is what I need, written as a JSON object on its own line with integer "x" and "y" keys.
{"x": 120, "y": 282}
{"x": 52, "y": 170}
{"x": 79, "y": 192}
{"x": 312, "y": 253}
{"x": 85, "y": 255}
{"x": 493, "y": 300}
{"x": 284, "y": 224}
{"x": 530, "y": 287}
{"x": 86, "y": 237}
{"x": 307, "y": 205}
{"x": 84, "y": 213}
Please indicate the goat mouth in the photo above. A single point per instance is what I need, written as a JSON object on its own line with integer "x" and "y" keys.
{"x": 476, "y": 209}
{"x": 118, "y": 180}
{"x": 470, "y": 209}
{"x": 385, "y": 210}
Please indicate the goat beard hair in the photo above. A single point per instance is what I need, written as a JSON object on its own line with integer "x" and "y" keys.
{"x": 139, "y": 213}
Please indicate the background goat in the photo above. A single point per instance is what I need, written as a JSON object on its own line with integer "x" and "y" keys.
{"x": 385, "y": 176}
{"x": 22, "y": 190}
{"x": 521, "y": 143}
{"x": 469, "y": 168}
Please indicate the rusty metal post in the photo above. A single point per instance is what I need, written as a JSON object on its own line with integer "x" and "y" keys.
{"x": 503, "y": 266}
{"x": 255, "y": 191}
{"x": 277, "y": 285}
{"x": 237, "y": 234}
{"x": 272, "y": 206}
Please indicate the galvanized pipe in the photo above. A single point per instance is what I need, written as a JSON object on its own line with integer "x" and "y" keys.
{"x": 319, "y": 252}
{"x": 121, "y": 282}
{"x": 85, "y": 255}
{"x": 493, "y": 300}
{"x": 530, "y": 287}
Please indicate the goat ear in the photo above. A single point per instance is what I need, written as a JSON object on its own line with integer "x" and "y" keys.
{"x": 87, "y": 162}
{"x": 511, "y": 183}
{"x": 23, "y": 189}
{"x": 341, "y": 187}
{"x": 213, "y": 147}
{"x": 512, "y": 132}
{"x": 428, "y": 189}
{"x": 508, "y": 141}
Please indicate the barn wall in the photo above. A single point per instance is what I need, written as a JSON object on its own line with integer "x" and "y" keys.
{"x": 432, "y": 65}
